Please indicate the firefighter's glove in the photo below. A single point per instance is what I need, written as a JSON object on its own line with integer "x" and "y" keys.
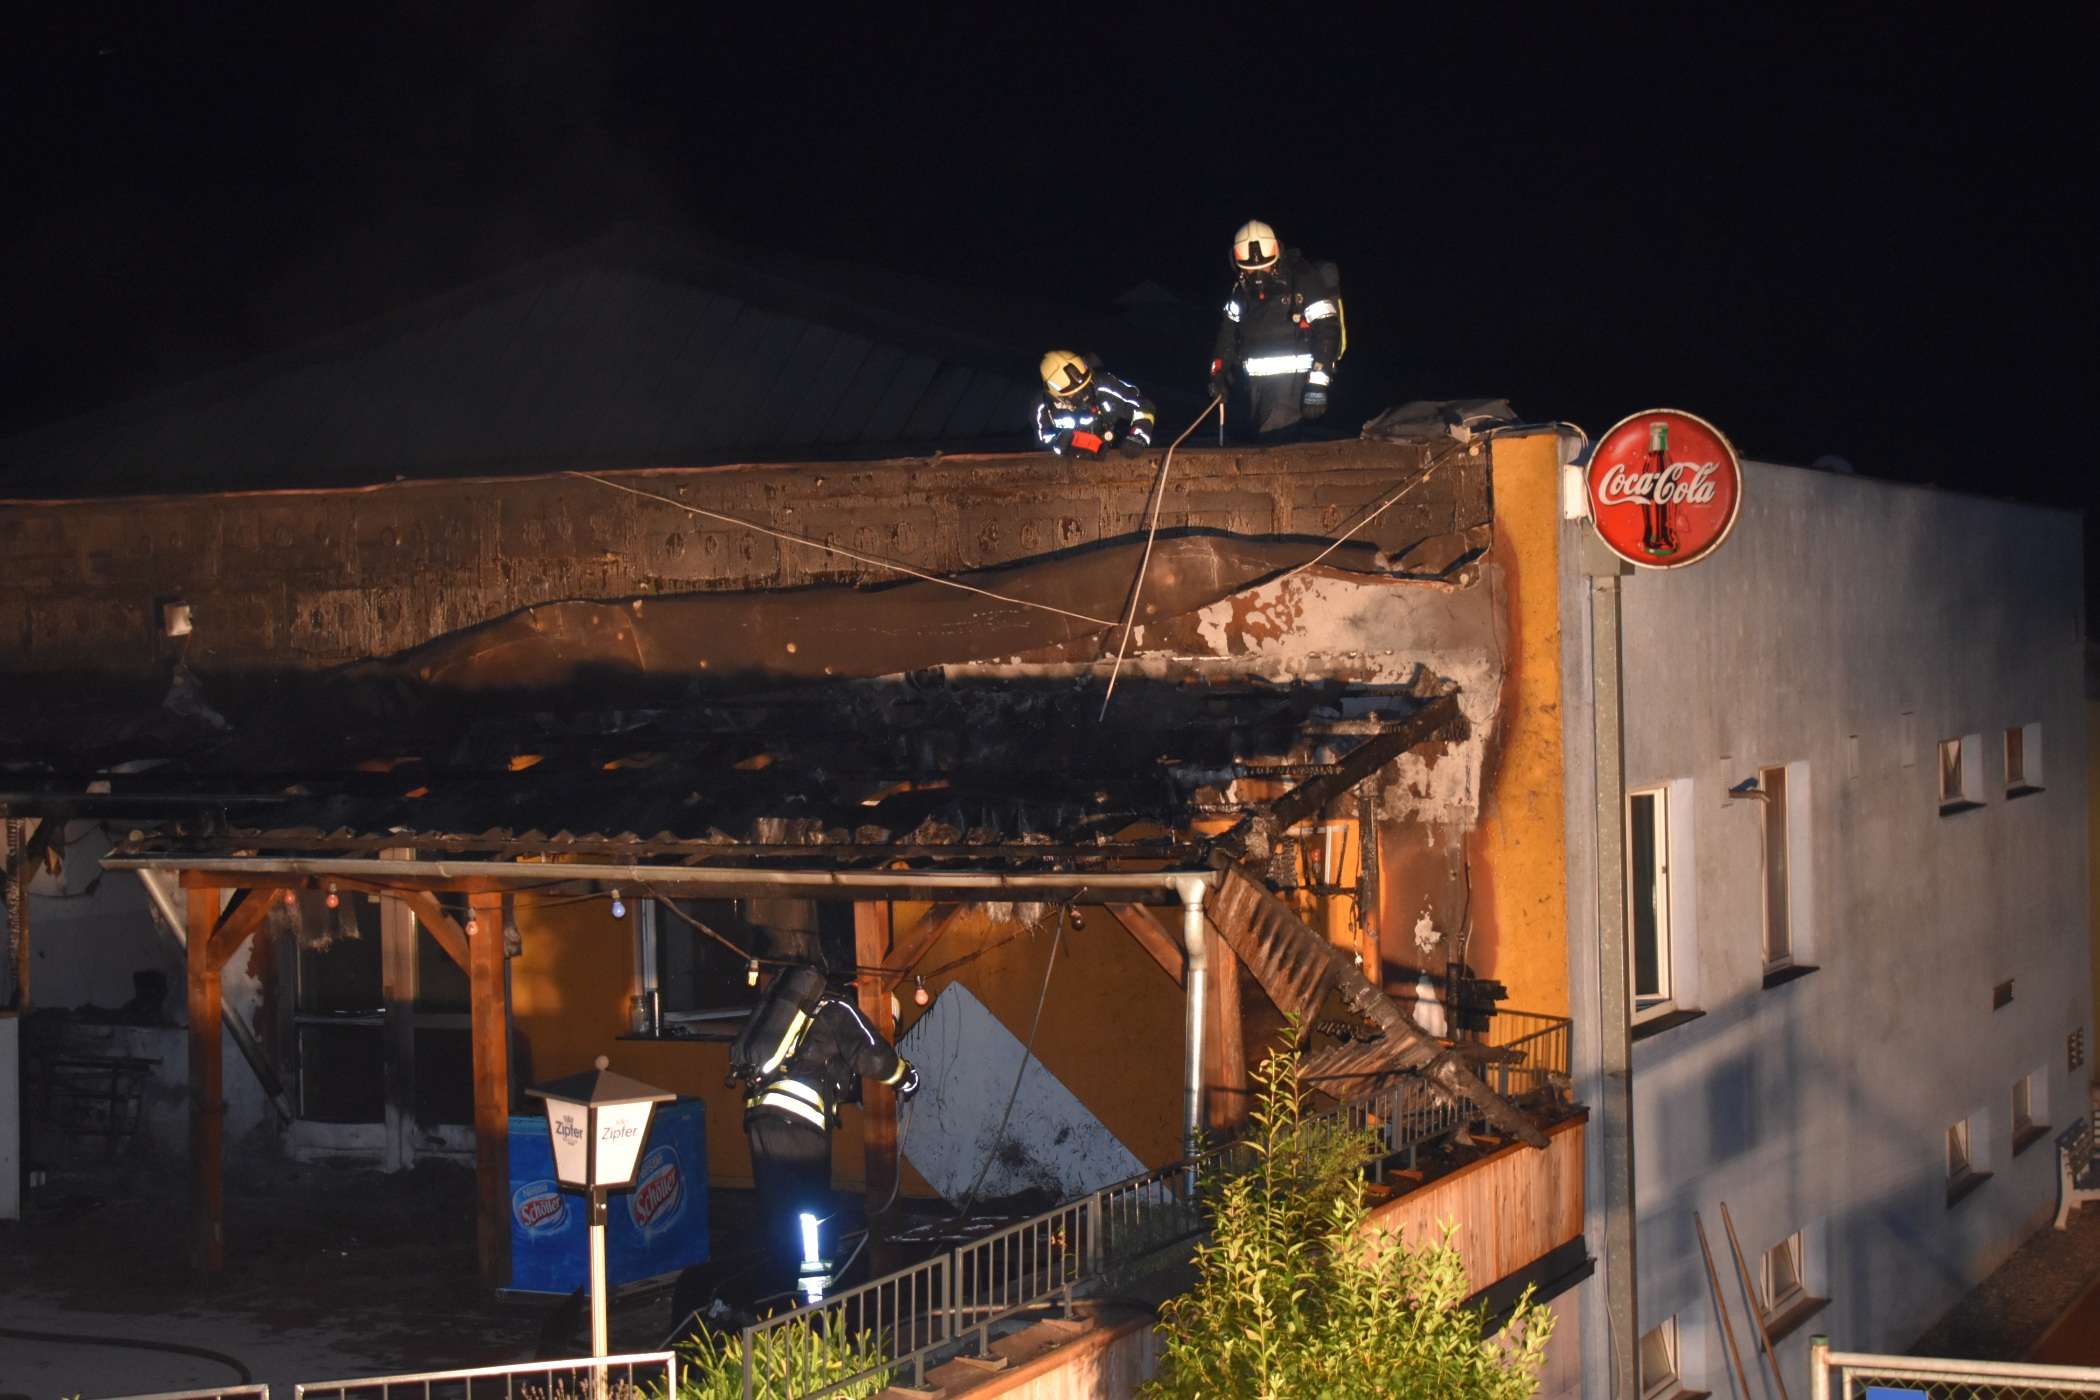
{"x": 1134, "y": 446}
{"x": 909, "y": 1084}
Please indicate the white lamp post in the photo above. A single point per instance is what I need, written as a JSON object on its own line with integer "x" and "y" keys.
{"x": 597, "y": 1122}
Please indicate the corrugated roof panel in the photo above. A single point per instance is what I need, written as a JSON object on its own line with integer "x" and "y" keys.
{"x": 668, "y": 415}
{"x": 860, "y": 394}
{"x": 930, "y": 414}
{"x": 798, "y": 389}
{"x": 893, "y": 410}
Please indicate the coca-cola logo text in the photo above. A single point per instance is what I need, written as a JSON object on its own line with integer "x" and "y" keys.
{"x": 1679, "y": 484}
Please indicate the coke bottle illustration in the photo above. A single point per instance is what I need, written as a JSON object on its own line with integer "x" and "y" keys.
{"x": 1656, "y": 535}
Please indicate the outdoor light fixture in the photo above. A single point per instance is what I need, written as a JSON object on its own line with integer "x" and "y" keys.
{"x": 919, "y": 995}
{"x": 751, "y": 974}
{"x": 334, "y": 900}
{"x": 814, "y": 1273}
{"x": 597, "y": 1122}
{"x": 619, "y": 905}
{"x": 473, "y": 925}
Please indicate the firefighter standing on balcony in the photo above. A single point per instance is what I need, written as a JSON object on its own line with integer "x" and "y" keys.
{"x": 1084, "y": 410}
{"x": 1281, "y": 334}
{"x": 802, "y": 1053}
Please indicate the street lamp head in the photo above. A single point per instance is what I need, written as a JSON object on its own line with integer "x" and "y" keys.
{"x": 597, "y": 1122}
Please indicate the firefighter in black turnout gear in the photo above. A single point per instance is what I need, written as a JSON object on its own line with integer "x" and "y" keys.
{"x": 1281, "y": 333}
{"x": 802, "y": 1053}
{"x": 1084, "y": 410}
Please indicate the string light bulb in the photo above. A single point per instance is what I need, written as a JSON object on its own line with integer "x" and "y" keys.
{"x": 619, "y": 906}
{"x": 751, "y": 974}
{"x": 335, "y": 901}
{"x": 473, "y": 925}
{"x": 291, "y": 898}
{"x": 919, "y": 995}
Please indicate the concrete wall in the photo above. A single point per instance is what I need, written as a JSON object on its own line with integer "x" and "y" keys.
{"x": 1846, "y": 628}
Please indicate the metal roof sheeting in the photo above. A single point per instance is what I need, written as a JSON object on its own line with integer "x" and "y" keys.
{"x": 630, "y": 352}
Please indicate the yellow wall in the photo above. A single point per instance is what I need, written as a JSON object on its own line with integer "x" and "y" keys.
{"x": 1111, "y": 1030}
{"x": 1520, "y": 849}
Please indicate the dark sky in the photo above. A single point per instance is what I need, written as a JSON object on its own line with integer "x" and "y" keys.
{"x": 1869, "y": 232}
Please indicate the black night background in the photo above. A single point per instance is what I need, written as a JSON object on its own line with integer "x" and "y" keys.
{"x": 1862, "y": 231}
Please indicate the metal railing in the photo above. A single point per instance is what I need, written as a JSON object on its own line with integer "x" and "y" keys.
{"x": 220, "y": 1392}
{"x": 894, "y": 1328}
{"x": 1846, "y": 1375}
{"x": 581, "y": 1378}
{"x": 1537, "y": 1049}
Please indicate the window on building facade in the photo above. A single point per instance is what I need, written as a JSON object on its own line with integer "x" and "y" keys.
{"x": 1659, "y": 1377}
{"x": 701, "y": 973}
{"x": 2023, "y": 760}
{"x": 1968, "y": 1151}
{"x": 1648, "y": 898}
{"x": 1960, "y": 782}
{"x": 1781, "y": 1285}
{"x": 1958, "y": 1162}
{"x": 2030, "y": 1113}
{"x": 1779, "y": 934}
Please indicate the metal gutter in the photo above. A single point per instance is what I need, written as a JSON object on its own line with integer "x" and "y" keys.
{"x": 1164, "y": 886}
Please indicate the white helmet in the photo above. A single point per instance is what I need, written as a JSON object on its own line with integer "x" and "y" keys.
{"x": 1254, "y": 246}
{"x": 1065, "y": 373}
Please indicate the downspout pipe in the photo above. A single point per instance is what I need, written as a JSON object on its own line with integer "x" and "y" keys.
{"x": 1197, "y": 947}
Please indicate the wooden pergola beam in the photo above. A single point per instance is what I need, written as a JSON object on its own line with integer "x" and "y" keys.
{"x": 243, "y": 916}
{"x": 1164, "y": 948}
{"x": 490, "y": 1002}
{"x": 920, "y": 940}
{"x": 207, "y": 1107}
{"x": 441, "y": 926}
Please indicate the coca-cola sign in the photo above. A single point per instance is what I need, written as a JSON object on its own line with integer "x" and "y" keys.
{"x": 1665, "y": 487}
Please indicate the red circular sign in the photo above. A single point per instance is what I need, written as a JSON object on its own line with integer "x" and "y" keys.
{"x": 1665, "y": 487}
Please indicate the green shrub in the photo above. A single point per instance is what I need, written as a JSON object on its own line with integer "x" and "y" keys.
{"x": 1294, "y": 1300}
{"x": 786, "y": 1362}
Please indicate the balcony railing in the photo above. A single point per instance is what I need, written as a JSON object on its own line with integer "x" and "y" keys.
{"x": 896, "y": 1328}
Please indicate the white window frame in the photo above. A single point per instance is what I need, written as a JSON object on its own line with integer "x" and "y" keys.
{"x": 1777, "y": 809}
{"x": 1773, "y": 1300}
{"x": 2023, "y": 1115}
{"x": 2023, "y": 774}
{"x": 1672, "y": 1381}
{"x": 1960, "y": 773}
{"x": 1659, "y": 892}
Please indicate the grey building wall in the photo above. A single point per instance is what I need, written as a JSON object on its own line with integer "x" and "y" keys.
{"x": 1845, "y": 629}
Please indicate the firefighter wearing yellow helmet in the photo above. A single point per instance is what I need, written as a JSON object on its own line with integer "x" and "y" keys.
{"x": 1084, "y": 410}
{"x": 1281, "y": 333}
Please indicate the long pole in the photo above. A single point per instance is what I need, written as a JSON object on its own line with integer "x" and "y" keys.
{"x": 599, "y": 1346}
{"x": 1615, "y": 986}
{"x": 1742, "y": 1377}
{"x": 1735, "y": 1247}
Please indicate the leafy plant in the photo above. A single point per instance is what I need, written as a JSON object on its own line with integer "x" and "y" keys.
{"x": 1295, "y": 1299}
{"x": 786, "y": 1362}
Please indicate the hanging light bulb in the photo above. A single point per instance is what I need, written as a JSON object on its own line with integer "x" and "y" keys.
{"x": 619, "y": 907}
{"x": 751, "y": 974}
{"x": 291, "y": 898}
{"x": 919, "y": 995}
{"x": 473, "y": 925}
{"x": 335, "y": 901}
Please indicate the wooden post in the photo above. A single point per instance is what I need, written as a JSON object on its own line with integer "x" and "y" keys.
{"x": 208, "y": 1239}
{"x": 487, "y": 973}
{"x": 397, "y": 963}
{"x": 1225, "y": 1046}
{"x": 871, "y": 948}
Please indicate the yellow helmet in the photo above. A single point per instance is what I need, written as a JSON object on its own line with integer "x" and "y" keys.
{"x": 1254, "y": 246}
{"x": 1065, "y": 373}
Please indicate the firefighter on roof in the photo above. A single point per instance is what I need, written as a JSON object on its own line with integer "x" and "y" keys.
{"x": 1281, "y": 333}
{"x": 802, "y": 1053}
{"x": 1084, "y": 410}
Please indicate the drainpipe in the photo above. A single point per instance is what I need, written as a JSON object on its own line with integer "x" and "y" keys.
{"x": 1198, "y": 948}
{"x": 160, "y": 894}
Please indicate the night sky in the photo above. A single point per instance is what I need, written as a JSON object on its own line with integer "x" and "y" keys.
{"x": 1865, "y": 233}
